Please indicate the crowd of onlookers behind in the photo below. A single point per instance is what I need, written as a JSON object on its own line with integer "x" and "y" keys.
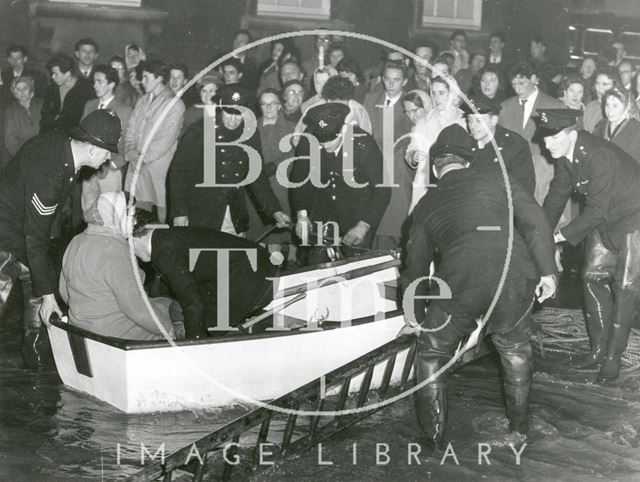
{"x": 286, "y": 84}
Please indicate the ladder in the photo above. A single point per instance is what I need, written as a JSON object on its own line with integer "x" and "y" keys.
{"x": 239, "y": 444}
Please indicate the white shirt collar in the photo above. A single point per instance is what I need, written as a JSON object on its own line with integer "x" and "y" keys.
{"x": 392, "y": 100}
{"x": 528, "y": 106}
{"x": 106, "y": 102}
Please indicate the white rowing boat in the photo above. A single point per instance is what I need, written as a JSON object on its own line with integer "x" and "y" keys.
{"x": 347, "y": 312}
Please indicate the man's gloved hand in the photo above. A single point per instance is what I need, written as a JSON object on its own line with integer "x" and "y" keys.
{"x": 303, "y": 226}
{"x": 356, "y": 234}
{"x": 282, "y": 219}
{"x": 48, "y": 307}
{"x": 546, "y": 288}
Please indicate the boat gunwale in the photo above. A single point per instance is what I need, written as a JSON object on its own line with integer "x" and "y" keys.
{"x": 131, "y": 345}
{"x": 341, "y": 262}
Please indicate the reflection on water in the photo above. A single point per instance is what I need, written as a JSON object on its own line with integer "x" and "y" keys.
{"x": 579, "y": 431}
{"x": 49, "y": 432}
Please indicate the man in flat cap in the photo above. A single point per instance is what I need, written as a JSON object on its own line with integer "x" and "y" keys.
{"x": 355, "y": 209}
{"x": 483, "y": 127}
{"x": 33, "y": 187}
{"x": 453, "y": 219}
{"x": 220, "y": 207}
{"x": 609, "y": 180}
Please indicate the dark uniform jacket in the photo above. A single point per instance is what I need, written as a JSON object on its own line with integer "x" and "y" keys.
{"x": 33, "y": 186}
{"x": 339, "y": 202}
{"x": 515, "y": 153}
{"x": 610, "y": 181}
{"x": 205, "y": 206}
{"x": 196, "y": 289}
{"x": 449, "y": 219}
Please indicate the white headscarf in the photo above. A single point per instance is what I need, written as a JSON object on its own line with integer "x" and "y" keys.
{"x": 109, "y": 210}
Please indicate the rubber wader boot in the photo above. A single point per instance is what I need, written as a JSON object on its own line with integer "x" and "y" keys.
{"x": 618, "y": 336}
{"x": 431, "y": 410}
{"x": 598, "y": 318}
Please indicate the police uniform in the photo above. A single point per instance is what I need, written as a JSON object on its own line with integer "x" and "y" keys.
{"x": 609, "y": 180}
{"x": 196, "y": 288}
{"x": 513, "y": 148}
{"x": 470, "y": 262}
{"x": 207, "y": 207}
{"x": 515, "y": 153}
{"x": 339, "y": 202}
{"x": 33, "y": 187}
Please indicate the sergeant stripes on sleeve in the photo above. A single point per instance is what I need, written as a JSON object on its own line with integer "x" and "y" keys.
{"x": 41, "y": 208}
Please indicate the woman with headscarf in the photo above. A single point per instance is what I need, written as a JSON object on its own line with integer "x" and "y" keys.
{"x": 416, "y": 105}
{"x": 620, "y": 125}
{"x": 97, "y": 279}
{"x": 133, "y": 55}
{"x": 445, "y": 112}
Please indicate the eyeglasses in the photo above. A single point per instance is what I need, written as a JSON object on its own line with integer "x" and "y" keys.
{"x": 269, "y": 104}
{"x": 411, "y": 111}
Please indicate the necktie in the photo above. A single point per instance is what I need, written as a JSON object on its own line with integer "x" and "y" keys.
{"x": 388, "y": 102}
{"x": 523, "y": 102}
{"x": 101, "y": 106}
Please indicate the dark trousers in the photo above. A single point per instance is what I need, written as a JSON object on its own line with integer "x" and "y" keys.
{"x": 510, "y": 328}
{"x": 611, "y": 280}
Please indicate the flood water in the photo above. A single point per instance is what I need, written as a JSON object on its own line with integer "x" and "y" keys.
{"x": 580, "y": 431}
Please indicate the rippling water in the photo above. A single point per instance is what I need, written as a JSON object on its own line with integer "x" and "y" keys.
{"x": 580, "y": 431}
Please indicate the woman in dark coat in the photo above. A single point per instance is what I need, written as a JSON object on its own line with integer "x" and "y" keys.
{"x": 22, "y": 117}
{"x": 620, "y": 125}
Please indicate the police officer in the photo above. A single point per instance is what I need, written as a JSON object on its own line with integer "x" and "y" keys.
{"x": 33, "y": 187}
{"x": 609, "y": 180}
{"x": 483, "y": 127}
{"x": 449, "y": 220}
{"x": 222, "y": 208}
{"x": 357, "y": 211}
{"x": 196, "y": 287}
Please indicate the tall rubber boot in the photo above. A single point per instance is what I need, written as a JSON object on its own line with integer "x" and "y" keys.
{"x": 431, "y": 411}
{"x": 431, "y": 399}
{"x": 517, "y": 365}
{"x": 626, "y": 304}
{"x": 34, "y": 339}
{"x": 598, "y": 308}
{"x": 9, "y": 272}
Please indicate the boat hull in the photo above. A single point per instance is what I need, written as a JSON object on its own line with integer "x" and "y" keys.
{"x": 141, "y": 377}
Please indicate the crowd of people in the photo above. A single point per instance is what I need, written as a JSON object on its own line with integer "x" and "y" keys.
{"x": 384, "y": 157}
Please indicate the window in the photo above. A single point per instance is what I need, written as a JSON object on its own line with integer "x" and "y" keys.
{"x": 316, "y": 9}
{"x": 452, "y": 13}
{"x": 595, "y": 40}
{"x": 631, "y": 41}
{"x": 113, "y": 3}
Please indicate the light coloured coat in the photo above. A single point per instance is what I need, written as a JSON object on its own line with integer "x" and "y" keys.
{"x": 148, "y": 112}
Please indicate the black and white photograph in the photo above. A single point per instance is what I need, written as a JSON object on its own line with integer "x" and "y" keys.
{"x": 303, "y": 240}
